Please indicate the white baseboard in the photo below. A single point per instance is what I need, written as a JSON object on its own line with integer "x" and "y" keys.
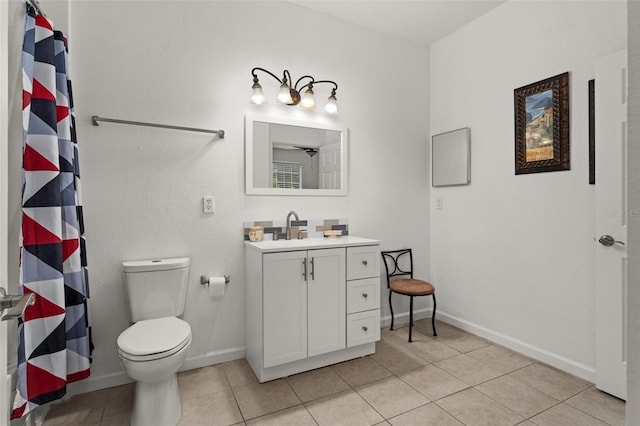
{"x": 213, "y": 358}
{"x": 578, "y": 369}
{"x": 403, "y": 317}
{"x": 94, "y": 383}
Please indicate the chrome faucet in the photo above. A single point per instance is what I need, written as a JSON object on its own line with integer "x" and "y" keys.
{"x": 289, "y": 222}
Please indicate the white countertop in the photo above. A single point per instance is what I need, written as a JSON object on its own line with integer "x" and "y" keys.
{"x": 310, "y": 243}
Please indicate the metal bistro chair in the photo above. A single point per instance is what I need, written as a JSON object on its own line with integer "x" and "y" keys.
{"x": 408, "y": 286}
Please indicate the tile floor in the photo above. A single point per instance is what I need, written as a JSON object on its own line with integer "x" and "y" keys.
{"x": 453, "y": 379}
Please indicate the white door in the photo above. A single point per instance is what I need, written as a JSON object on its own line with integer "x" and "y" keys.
{"x": 326, "y": 285}
{"x": 330, "y": 167}
{"x": 285, "y": 307}
{"x": 611, "y": 222}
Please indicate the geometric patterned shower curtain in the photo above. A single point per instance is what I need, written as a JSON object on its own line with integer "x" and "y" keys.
{"x": 54, "y": 334}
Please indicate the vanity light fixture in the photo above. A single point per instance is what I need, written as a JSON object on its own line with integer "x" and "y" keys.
{"x": 290, "y": 95}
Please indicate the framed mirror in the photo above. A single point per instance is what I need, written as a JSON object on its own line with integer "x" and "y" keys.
{"x": 451, "y": 158}
{"x": 291, "y": 157}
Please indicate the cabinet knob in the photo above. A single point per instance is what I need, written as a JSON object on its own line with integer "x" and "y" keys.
{"x": 364, "y": 328}
{"x": 365, "y": 295}
{"x": 365, "y": 263}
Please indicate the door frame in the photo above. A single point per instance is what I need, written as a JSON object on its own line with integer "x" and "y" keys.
{"x": 4, "y": 197}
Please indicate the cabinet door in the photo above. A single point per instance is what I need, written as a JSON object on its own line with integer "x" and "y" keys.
{"x": 326, "y": 300}
{"x": 285, "y": 307}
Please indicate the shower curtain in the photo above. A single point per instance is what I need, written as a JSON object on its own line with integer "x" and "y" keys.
{"x": 54, "y": 334}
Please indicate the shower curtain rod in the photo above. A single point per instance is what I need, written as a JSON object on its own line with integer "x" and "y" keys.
{"x": 95, "y": 119}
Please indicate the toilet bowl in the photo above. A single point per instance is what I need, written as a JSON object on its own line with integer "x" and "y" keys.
{"x": 151, "y": 352}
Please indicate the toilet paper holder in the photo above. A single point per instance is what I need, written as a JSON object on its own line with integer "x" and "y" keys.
{"x": 204, "y": 279}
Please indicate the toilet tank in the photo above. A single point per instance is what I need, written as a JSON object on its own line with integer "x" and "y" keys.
{"x": 155, "y": 288}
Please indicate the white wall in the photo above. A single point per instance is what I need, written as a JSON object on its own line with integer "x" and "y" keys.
{"x": 633, "y": 300}
{"x": 188, "y": 63}
{"x": 513, "y": 255}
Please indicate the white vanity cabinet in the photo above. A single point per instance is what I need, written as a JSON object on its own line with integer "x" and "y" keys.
{"x": 310, "y": 303}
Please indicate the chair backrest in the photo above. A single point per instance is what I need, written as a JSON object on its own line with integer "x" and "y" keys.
{"x": 394, "y": 266}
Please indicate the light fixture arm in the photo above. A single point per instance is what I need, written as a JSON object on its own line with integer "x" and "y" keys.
{"x": 312, "y": 82}
{"x": 255, "y": 76}
{"x": 286, "y": 76}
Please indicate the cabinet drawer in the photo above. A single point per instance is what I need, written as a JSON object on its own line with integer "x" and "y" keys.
{"x": 363, "y": 262}
{"x": 363, "y": 327}
{"x": 363, "y": 295}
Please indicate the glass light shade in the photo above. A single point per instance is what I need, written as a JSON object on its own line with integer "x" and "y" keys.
{"x": 257, "y": 97}
{"x": 307, "y": 101}
{"x": 284, "y": 96}
{"x": 332, "y": 106}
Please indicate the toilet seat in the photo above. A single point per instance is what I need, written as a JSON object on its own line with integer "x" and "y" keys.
{"x": 157, "y": 338}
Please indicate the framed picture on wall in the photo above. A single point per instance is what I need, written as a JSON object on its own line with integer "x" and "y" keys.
{"x": 541, "y": 113}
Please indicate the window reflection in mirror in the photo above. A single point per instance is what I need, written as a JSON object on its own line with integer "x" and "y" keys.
{"x": 294, "y": 158}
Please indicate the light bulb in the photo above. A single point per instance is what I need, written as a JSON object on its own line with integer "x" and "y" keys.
{"x": 284, "y": 95}
{"x": 257, "y": 97}
{"x": 307, "y": 101}
{"x": 332, "y": 106}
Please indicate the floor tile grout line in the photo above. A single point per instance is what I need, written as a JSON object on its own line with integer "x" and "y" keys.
{"x": 582, "y": 411}
{"x": 364, "y": 384}
{"x": 542, "y": 390}
{"x": 445, "y": 410}
{"x": 235, "y": 398}
{"x": 408, "y": 411}
{"x": 372, "y": 382}
{"x": 511, "y": 409}
{"x": 368, "y": 403}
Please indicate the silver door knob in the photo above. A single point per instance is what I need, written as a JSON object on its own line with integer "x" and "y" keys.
{"x": 608, "y": 241}
{"x": 15, "y": 303}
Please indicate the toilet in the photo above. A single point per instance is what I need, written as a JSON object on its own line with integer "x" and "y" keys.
{"x": 155, "y": 346}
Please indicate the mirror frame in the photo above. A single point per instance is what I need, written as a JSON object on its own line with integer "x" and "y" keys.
{"x": 451, "y": 158}
{"x": 248, "y": 158}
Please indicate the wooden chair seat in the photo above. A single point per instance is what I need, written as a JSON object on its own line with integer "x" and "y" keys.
{"x": 412, "y": 287}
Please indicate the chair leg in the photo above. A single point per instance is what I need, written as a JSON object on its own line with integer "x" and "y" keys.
{"x": 433, "y": 315}
{"x": 410, "y": 318}
{"x": 391, "y": 308}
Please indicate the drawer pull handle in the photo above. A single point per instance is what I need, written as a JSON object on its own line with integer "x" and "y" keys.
{"x": 364, "y": 328}
{"x": 365, "y": 263}
{"x": 365, "y": 295}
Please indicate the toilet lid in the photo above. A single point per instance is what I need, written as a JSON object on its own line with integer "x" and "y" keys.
{"x": 154, "y": 336}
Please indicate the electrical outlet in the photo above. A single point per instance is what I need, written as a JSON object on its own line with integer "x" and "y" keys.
{"x": 208, "y": 204}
